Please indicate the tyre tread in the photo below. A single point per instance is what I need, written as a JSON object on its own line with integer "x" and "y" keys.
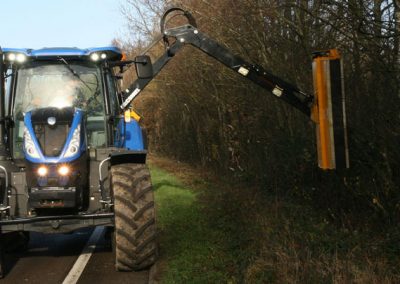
{"x": 135, "y": 228}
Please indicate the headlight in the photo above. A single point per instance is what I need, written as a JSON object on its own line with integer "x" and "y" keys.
{"x": 63, "y": 170}
{"x": 11, "y": 56}
{"x": 42, "y": 171}
{"x": 16, "y": 57}
{"x": 29, "y": 146}
{"x": 73, "y": 146}
{"x": 98, "y": 56}
{"x": 94, "y": 57}
{"x": 21, "y": 58}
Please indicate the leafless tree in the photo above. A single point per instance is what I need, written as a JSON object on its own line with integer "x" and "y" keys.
{"x": 203, "y": 113}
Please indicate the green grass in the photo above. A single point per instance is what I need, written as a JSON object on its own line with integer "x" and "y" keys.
{"x": 193, "y": 250}
{"x": 235, "y": 234}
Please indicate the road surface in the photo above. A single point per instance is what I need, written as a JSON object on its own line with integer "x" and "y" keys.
{"x": 81, "y": 257}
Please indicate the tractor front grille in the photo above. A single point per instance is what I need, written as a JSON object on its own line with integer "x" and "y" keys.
{"x": 51, "y": 138}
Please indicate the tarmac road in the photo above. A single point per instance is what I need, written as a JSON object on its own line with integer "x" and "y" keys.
{"x": 50, "y": 258}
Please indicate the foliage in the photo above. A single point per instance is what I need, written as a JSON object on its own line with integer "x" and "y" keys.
{"x": 202, "y": 113}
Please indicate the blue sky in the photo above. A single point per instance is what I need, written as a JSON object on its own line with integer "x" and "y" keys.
{"x": 60, "y": 23}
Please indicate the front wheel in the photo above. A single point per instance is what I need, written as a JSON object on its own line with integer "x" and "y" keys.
{"x": 135, "y": 228}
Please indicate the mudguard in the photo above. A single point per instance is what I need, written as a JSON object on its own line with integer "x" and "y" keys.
{"x": 129, "y": 135}
{"x": 126, "y": 156}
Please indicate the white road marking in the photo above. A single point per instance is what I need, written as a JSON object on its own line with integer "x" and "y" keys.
{"x": 83, "y": 259}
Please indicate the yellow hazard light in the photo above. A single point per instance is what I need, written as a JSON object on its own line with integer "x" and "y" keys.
{"x": 130, "y": 114}
{"x": 135, "y": 116}
{"x": 127, "y": 116}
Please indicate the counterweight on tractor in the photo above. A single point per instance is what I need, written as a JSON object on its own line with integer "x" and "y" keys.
{"x": 72, "y": 153}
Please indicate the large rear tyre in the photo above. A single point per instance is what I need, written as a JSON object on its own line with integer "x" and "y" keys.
{"x": 135, "y": 228}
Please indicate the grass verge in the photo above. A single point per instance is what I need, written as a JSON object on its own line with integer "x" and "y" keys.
{"x": 215, "y": 233}
{"x": 192, "y": 249}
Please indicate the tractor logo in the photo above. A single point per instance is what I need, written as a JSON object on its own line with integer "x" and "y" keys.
{"x": 51, "y": 120}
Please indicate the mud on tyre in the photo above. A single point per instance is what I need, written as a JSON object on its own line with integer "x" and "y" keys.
{"x": 135, "y": 229}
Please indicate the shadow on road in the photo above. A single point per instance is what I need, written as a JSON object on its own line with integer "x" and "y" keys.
{"x": 43, "y": 249}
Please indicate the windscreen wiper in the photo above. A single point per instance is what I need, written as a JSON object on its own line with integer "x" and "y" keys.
{"x": 74, "y": 72}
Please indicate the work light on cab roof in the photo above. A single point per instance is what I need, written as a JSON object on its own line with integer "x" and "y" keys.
{"x": 98, "y": 54}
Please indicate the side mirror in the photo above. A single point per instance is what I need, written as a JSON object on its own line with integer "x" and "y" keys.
{"x": 144, "y": 67}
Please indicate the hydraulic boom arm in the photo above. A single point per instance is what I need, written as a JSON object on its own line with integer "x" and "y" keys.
{"x": 326, "y": 109}
{"x": 189, "y": 34}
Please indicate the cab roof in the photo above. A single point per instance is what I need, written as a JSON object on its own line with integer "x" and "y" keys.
{"x": 111, "y": 52}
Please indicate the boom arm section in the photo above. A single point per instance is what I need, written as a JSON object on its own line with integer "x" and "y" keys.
{"x": 189, "y": 34}
{"x": 326, "y": 109}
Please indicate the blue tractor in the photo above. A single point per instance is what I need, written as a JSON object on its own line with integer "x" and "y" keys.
{"x": 70, "y": 156}
{"x": 73, "y": 155}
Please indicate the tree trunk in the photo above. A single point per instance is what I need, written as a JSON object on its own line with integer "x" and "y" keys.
{"x": 397, "y": 43}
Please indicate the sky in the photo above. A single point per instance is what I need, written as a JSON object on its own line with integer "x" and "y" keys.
{"x": 60, "y": 23}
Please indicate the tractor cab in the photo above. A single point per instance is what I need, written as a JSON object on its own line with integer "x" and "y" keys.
{"x": 52, "y": 88}
{"x": 71, "y": 153}
{"x": 63, "y": 110}
{"x": 47, "y": 98}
